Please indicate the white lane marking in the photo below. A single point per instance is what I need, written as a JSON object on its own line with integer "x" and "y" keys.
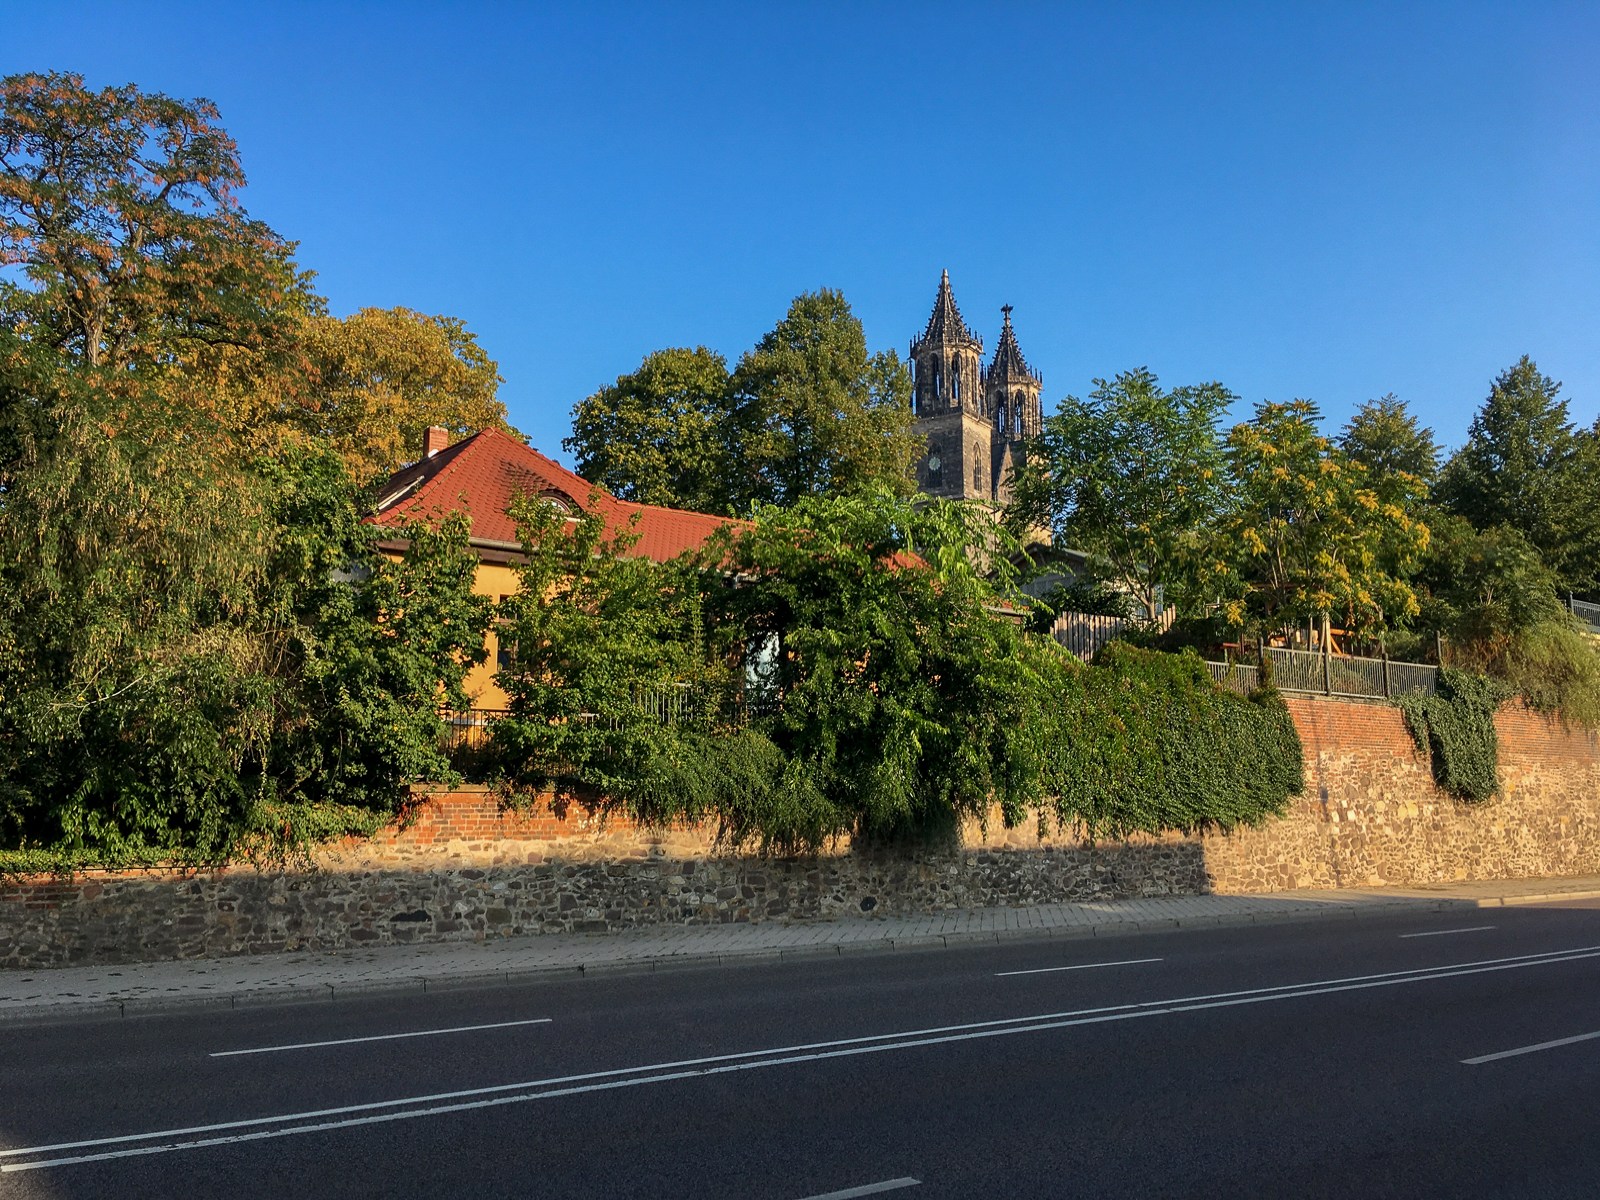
{"x": 1483, "y": 1058}
{"x": 791, "y": 1054}
{"x": 1442, "y": 932}
{"x": 1127, "y": 962}
{"x": 868, "y": 1189}
{"x": 380, "y": 1037}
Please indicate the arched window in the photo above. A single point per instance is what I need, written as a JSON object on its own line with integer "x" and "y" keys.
{"x": 977, "y": 477}
{"x": 1001, "y": 417}
{"x": 938, "y": 394}
{"x": 955, "y": 379}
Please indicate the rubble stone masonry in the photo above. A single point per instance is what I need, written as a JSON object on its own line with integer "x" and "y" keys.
{"x": 462, "y": 867}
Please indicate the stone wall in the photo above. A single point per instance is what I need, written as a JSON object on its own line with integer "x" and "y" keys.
{"x": 463, "y": 868}
{"x": 1371, "y": 816}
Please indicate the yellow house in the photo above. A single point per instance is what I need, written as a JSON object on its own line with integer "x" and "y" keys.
{"x": 479, "y": 476}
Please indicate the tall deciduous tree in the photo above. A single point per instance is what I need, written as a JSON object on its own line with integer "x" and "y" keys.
{"x": 1134, "y": 475}
{"x": 198, "y": 648}
{"x": 808, "y": 412}
{"x": 815, "y": 414}
{"x": 1311, "y": 540}
{"x": 122, "y": 210}
{"x": 655, "y": 436}
{"x": 379, "y": 377}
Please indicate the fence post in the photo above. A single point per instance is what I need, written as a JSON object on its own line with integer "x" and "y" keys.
{"x": 1384, "y": 647}
{"x": 1327, "y": 683}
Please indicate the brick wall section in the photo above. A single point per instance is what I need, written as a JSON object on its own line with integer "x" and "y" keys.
{"x": 463, "y": 868}
{"x": 1371, "y": 814}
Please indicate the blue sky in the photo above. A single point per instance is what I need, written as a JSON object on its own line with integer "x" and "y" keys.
{"x": 1323, "y": 201}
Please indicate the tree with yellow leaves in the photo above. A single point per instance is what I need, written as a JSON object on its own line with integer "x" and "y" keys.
{"x": 1308, "y": 538}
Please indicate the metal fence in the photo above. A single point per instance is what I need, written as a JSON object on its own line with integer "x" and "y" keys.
{"x": 1310, "y": 673}
{"x": 1588, "y": 613}
{"x": 1235, "y": 677}
{"x": 471, "y": 730}
{"x": 468, "y": 730}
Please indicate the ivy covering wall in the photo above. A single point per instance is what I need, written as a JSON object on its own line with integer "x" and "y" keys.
{"x": 1456, "y": 728}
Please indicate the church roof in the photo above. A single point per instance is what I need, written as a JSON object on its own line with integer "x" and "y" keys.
{"x": 480, "y": 475}
{"x": 945, "y": 325}
{"x": 1008, "y": 361}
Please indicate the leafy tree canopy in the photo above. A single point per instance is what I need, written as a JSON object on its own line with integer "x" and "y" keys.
{"x": 815, "y": 414}
{"x": 1135, "y": 476}
{"x": 807, "y": 412}
{"x": 657, "y": 436}
{"x": 200, "y": 647}
{"x": 121, "y": 209}
{"x": 380, "y": 377}
{"x": 1312, "y": 539}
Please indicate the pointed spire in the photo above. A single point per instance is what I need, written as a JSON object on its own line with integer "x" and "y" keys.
{"x": 1008, "y": 361}
{"x": 945, "y": 326}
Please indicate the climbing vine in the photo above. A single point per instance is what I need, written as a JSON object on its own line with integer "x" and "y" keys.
{"x": 1456, "y": 728}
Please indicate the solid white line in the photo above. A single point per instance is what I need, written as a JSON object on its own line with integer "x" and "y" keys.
{"x": 1127, "y": 962}
{"x": 813, "y": 1052}
{"x": 1442, "y": 932}
{"x": 868, "y": 1189}
{"x": 379, "y": 1037}
{"x": 1483, "y": 1058}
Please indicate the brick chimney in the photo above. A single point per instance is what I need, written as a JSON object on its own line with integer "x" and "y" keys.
{"x": 436, "y": 439}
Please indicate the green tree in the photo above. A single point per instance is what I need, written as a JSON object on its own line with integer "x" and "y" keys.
{"x": 655, "y": 436}
{"x": 897, "y": 700}
{"x": 603, "y": 640}
{"x": 1310, "y": 539}
{"x": 814, "y": 414}
{"x": 1400, "y": 455}
{"x": 199, "y": 650}
{"x": 1522, "y": 467}
{"x": 1134, "y": 475}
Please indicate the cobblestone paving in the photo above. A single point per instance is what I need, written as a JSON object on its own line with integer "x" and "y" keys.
{"x": 293, "y": 976}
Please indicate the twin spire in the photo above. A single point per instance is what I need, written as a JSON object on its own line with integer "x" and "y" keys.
{"x": 945, "y": 327}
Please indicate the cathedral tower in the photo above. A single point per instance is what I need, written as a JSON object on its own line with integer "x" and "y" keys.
{"x": 1011, "y": 395}
{"x": 947, "y": 365}
{"x": 975, "y": 418}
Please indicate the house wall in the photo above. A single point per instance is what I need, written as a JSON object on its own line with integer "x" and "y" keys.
{"x": 495, "y": 580}
{"x": 463, "y": 868}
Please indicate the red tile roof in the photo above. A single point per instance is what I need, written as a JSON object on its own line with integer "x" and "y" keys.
{"x": 480, "y": 475}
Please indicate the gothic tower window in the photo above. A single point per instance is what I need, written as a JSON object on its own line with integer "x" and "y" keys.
{"x": 955, "y": 381}
{"x": 935, "y": 466}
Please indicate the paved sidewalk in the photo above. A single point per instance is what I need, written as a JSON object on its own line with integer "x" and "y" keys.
{"x": 299, "y": 976}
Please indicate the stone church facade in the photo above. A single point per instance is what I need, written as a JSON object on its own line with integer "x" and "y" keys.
{"x": 973, "y": 416}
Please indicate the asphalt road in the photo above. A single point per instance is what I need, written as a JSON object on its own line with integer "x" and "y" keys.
{"x": 1297, "y": 1061}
